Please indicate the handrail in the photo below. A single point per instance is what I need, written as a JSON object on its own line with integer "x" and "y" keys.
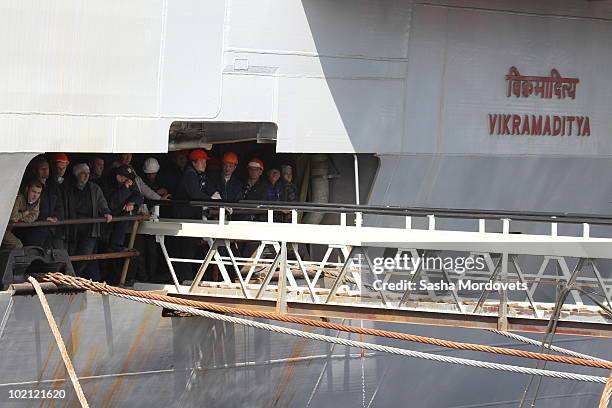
{"x": 463, "y": 213}
{"x": 76, "y": 221}
{"x": 338, "y": 208}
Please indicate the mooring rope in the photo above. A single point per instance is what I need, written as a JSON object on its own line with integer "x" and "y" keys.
{"x": 364, "y": 345}
{"x": 76, "y": 282}
{"x": 558, "y": 349}
{"x": 607, "y": 393}
{"x": 60, "y": 343}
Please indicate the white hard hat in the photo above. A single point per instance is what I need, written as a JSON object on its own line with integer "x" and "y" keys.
{"x": 151, "y": 165}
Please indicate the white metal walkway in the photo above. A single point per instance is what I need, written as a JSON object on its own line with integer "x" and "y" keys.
{"x": 347, "y": 280}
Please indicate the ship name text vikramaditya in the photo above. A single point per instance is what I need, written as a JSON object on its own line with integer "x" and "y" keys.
{"x": 546, "y": 87}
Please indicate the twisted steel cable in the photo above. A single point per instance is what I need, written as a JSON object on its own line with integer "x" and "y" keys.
{"x": 77, "y": 282}
{"x": 558, "y": 349}
{"x": 364, "y": 345}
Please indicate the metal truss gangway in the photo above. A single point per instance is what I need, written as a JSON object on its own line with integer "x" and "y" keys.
{"x": 402, "y": 264}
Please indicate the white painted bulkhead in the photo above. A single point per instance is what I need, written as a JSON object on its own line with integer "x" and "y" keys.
{"x": 371, "y": 76}
{"x": 413, "y": 82}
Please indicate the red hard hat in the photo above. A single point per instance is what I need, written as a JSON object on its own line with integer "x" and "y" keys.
{"x": 230, "y": 157}
{"x": 197, "y": 155}
{"x": 61, "y": 157}
{"x": 255, "y": 162}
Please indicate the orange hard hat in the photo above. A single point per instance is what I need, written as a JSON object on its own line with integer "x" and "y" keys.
{"x": 230, "y": 157}
{"x": 255, "y": 162}
{"x": 61, "y": 157}
{"x": 197, "y": 155}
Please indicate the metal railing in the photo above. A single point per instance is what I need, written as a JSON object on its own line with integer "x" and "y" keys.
{"x": 293, "y": 208}
{"x": 78, "y": 221}
{"x": 339, "y": 208}
{"x": 125, "y": 255}
{"x": 320, "y": 285}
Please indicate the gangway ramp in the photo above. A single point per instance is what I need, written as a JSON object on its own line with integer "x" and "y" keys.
{"x": 516, "y": 290}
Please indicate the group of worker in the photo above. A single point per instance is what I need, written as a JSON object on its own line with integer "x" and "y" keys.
{"x": 198, "y": 184}
{"x": 49, "y": 194}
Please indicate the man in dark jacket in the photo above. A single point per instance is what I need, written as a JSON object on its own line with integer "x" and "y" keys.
{"x": 96, "y": 167}
{"x": 126, "y": 159}
{"x": 50, "y": 208}
{"x": 275, "y": 187}
{"x": 172, "y": 173}
{"x": 146, "y": 267}
{"x": 56, "y": 186}
{"x": 227, "y": 184}
{"x": 194, "y": 186}
{"x": 85, "y": 200}
{"x": 123, "y": 199}
{"x": 254, "y": 188}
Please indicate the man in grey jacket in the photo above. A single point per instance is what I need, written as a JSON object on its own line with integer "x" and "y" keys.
{"x": 85, "y": 200}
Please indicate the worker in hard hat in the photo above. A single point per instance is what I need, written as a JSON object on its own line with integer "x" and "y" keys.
{"x": 194, "y": 186}
{"x": 254, "y": 189}
{"x": 147, "y": 266}
{"x": 56, "y": 186}
{"x": 227, "y": 184}
{"x": 151, "y": 170}
{"x": 60, "y": 163}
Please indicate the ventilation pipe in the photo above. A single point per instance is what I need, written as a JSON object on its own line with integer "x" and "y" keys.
{"x": 358, "y": 216}
{"x": 356, "y": 166}
{"x": 319, "y": 183}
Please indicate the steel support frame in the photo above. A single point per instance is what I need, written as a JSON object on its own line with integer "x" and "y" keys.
{"x": 348, "y": 265}
{"x": 412, "y": 316}
{"x": 498, "y": 270}
{"x": 322, "y": 306}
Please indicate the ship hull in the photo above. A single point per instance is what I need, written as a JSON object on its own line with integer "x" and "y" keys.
{"x": 127, "y": 355}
